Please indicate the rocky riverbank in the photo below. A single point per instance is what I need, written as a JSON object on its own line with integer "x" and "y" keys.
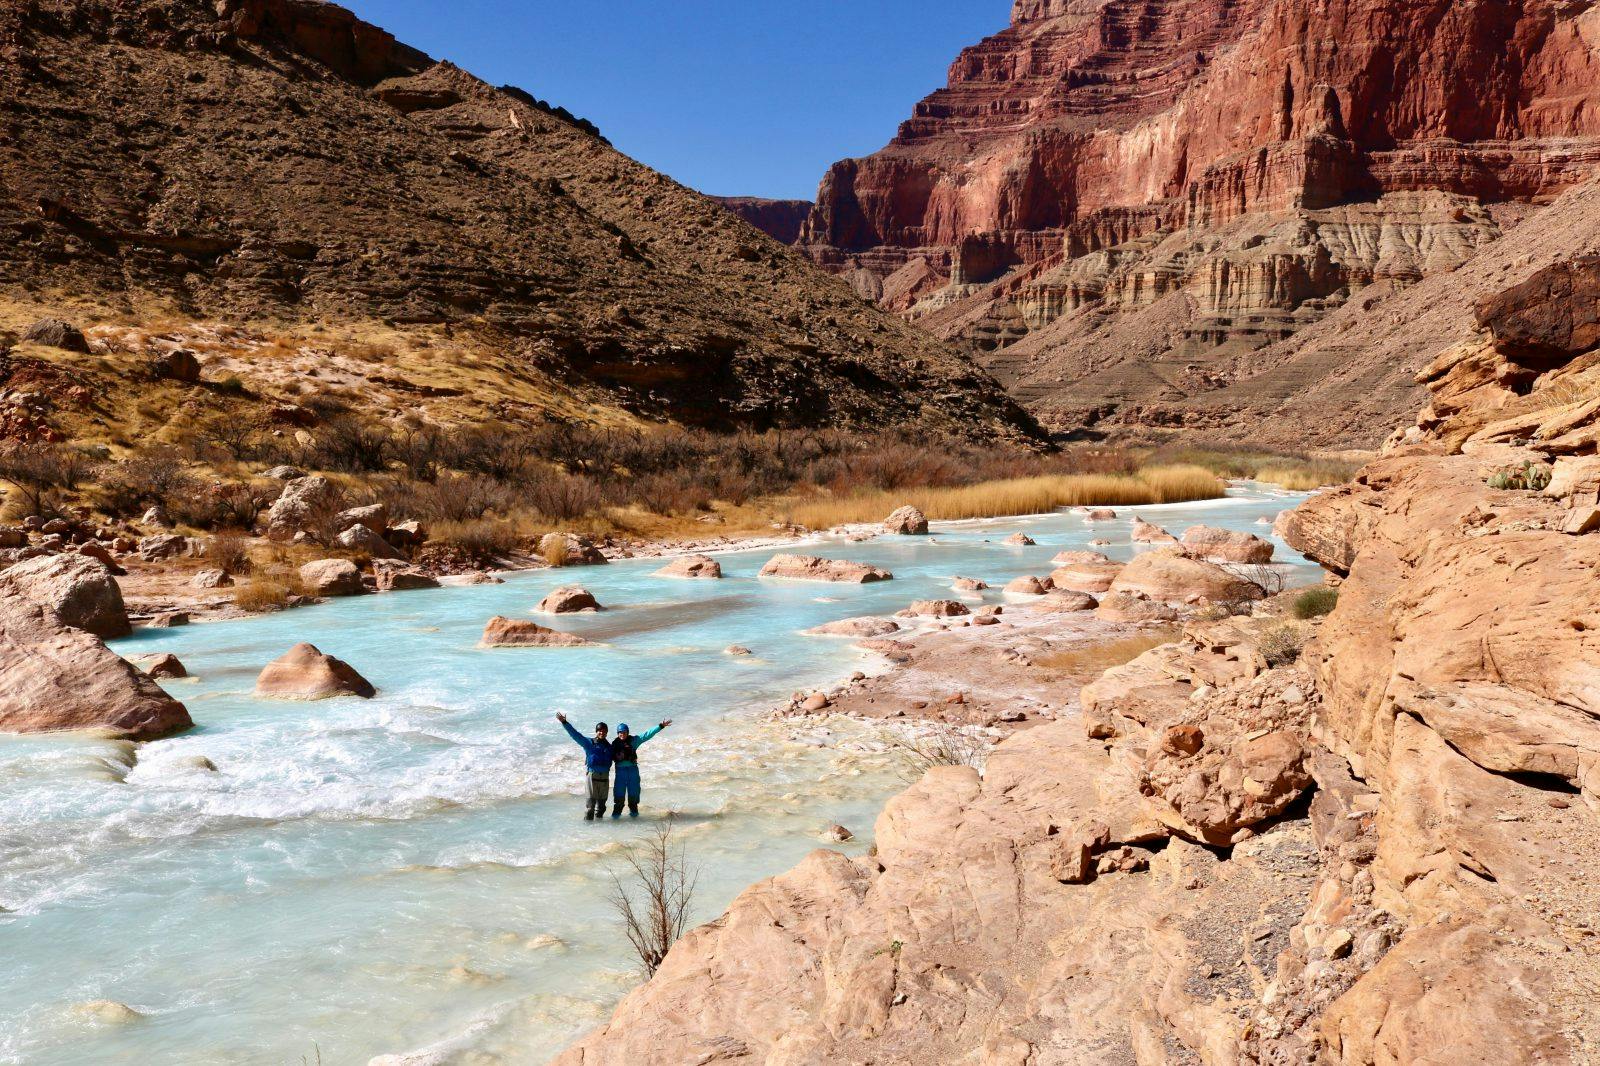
{"x": 1379, "y": 849}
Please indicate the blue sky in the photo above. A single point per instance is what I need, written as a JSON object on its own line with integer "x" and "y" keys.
{"x": 751, "y": 98}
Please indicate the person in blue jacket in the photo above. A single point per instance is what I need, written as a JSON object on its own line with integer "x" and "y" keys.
{"x": 597, "y": 762}
{"x": 625, "y": 754}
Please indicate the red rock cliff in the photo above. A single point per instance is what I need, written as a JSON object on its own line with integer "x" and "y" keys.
{"x": 1150, "y": 133}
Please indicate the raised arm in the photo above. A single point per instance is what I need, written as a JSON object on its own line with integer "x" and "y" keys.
{"x": 648, "y": 733}
{"x": 583, "y": 741}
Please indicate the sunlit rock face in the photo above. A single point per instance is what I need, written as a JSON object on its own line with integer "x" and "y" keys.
{"x": 1206, "y": 178}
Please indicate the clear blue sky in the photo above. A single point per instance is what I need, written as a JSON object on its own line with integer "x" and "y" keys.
{"x": 753, "y": 97}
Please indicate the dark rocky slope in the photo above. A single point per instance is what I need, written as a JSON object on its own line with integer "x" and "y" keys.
{"x": 280, "y": 160}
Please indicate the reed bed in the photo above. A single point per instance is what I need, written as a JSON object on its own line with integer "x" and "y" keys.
{"x": 1017, "y": 496}
{"x": 1304, "y": 477}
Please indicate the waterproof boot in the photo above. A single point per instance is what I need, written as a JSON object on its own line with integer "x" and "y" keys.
{"x": 633, "y": 810}
{"x": 616, "y": 812}
{"x": 588, "y": 814}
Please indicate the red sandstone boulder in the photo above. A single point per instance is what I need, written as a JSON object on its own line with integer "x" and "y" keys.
{"x": 304, "y": 673}
{"x": 811, "y": 568}
{"x": 501, "y": 632}
{"x": 569, "y": 549}
{"x": 1029, "y": 586}
{"x": 392, "y": 577}
{"x": 938, "y": 609}
{"x": 332, "y": 577}
{"x": 165, "y": 667}
{"x": 57, "y": 677}
{"x": 1084, "y": 572}
{"x": 1145, "y": 533}
{"x": 1172, "y": 575}
{"x": 1019, "y": 540}
{"x": 568, "y": 600}
{"x": 1208, "y": 542}
{"x": 906, "y": 521}
{"x": 856, "y": 627}
{"x": 691, "y": 566}
{"x": 968, "y": 584}
{"x": 80, "y": 592}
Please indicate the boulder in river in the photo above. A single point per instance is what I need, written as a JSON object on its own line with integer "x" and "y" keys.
{"x": 856, "y": 627}
{"x": 906, "y": 521}
{"x": 938, "y": 609}
{"x": 1145, "y": 533}
{"x": 569, "y": 600}
{"x": 501, "y": 632}
{"x": 54, "y": 677}
{"x": 811, "y": 568}
{"x": 1029, "y": 586}
{"x": 1226, "y": 545}
{"x": 691, "y": 566}
{"x": 1082, "y": 571}
{"x": 79, "y": 590}
{"x": 305, "y": 673}
{"x": 1174, "y": 576}
{"x": 1019, "y": 540}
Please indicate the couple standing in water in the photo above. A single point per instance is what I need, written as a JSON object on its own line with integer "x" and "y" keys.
{"x": 600, "y": 755}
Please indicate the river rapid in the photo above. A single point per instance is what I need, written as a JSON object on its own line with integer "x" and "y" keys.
{"x": 411, "y": 875}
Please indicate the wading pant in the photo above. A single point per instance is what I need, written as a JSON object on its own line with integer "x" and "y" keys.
{"x": 626, "y": 788}
{"x": 596, "y": 804}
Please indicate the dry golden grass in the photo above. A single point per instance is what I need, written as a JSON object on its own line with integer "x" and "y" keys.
{"x": 1020, "y": 496}
{"x": 267, "y": 592}
{"x": 1091, "y": 660}
{"x": 1304, "y": 477}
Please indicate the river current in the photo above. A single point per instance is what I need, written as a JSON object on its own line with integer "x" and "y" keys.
{"x": 411, "y": 875}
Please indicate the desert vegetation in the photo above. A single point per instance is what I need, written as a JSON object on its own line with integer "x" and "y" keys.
{"x": 652, "y": 893}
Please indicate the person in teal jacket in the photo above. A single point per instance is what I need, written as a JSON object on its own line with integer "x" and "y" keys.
{"x": 597, "y": 765}
{"x": 625, "y": 756}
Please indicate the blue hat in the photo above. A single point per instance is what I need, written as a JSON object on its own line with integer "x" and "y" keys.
{"x": 622, "y": 727}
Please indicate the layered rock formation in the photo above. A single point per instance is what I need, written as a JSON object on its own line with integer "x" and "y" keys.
{"x": 781, "y": 220}
{"x": 281, "y": 161}
{"x": 1120, "y": 201}
{"x": 1380, "y": 849}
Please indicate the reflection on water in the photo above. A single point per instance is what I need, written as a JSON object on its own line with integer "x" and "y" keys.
{"x": 412, "y": 872}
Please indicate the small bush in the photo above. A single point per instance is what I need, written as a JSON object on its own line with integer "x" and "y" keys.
{"x": 482, "y": 540}
{"x": 1314, "y": 603}
{"x": 652, "y": 895}
{"x": 229, "y": 551}
{"x": 942, "y": 744}
{"x": 1282, "y": 646}
{"x": 267, "y": 593}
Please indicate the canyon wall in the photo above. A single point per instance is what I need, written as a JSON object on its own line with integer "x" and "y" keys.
{"x": 283, "y": 163}
{"x": 1168, "y": 187}
{"x": 1380, "y": 849}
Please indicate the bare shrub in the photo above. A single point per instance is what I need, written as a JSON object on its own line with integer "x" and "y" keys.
{"x": 229, "y": 551}
{"x": 482, "y": 540}
{"x": 1269, "y": 578}
{"x": 939, "y": 744}
{"x": 37, "y": 472}
{"x": 652, "y": 895}
{"x": 1282, "y": 646}
{"x": 157, "y": 478}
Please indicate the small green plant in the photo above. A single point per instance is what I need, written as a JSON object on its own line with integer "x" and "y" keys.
{"x": 1282, "y": 646}
{"x": 1314, "y": 603}
{"x": 1529, "y": 477}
